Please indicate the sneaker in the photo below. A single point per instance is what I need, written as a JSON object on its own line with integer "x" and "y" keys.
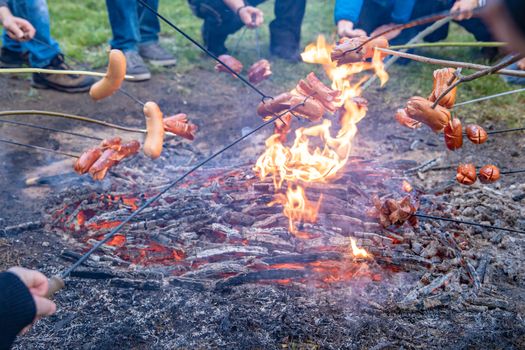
{"x": 13, "y": 59}
{"x": 136, "y": 67}
{"x": 61, "y": 82}
{"x": 157, "y": 55}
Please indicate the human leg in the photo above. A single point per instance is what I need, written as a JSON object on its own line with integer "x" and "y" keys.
{"x": 285, "y": 30}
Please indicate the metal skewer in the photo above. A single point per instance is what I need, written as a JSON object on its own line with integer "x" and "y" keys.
{"x": 40, "y": 148}
{"x": 470, "y": 223}
{"x": 50, "y": 129}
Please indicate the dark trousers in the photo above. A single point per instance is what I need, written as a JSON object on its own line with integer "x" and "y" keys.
{"x": 220, "y": 21}
{"x": 375, "y": 14}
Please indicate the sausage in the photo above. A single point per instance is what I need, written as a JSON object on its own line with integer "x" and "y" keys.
{"x": 309, "y": 108}
{"x": 476, "y": 134}
{"x": 315, "y": 88}
{"x": 442, "y": 77}
{"x": 155, "y": 130}
{"x": 283, "y": 126}
{"x": 489, "y": 174}
{"x": 115, "y": 75}
{"x": 342, "y": 55}
{"x": 275, "y": 105}
{"x": 127, "y": 149}
{"x": 100, "y": 168}
{"x": 466, "y": 174}
{"x": 113, "y": 143}
{"x": 259, "y": 71}
{"x": 231, "y": 62}
{"x": 179, "y": 125}
{"x": 86, "y": 160}
{"x": 454, "y": 134}
{"x": 403, "y": 119}
{"x": 420, "y": 109}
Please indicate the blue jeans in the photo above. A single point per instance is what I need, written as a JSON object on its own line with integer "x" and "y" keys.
{"x": 132, "y": 24}
{"x": 36, "y": 12}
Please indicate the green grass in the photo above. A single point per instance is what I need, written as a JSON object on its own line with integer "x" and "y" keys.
{"x": 82, "y": 28}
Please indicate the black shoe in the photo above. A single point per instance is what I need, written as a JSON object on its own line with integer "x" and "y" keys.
{"x": 290, "y": 55}
{"x": 13, "y": 59}
{"x": 157, "y": 55}
{"x": 61, "y": 82}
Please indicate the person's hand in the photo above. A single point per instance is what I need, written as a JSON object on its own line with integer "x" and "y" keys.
{"x": 251, "y": 16}
{"x": 521, "y": 64}
{"x": 37, "y": 284}
{"x": 18, "y": 28}
{"x": 346, "y": 29}
{"x": 390, "y": 35}
{"x": 464, "y": 5}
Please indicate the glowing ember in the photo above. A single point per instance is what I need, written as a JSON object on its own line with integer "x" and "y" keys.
{"x": 316, "y": 156}
{"x": 406, "y": 186}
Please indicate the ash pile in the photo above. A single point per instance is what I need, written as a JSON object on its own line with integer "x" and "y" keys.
{"x": 213, "y": 265}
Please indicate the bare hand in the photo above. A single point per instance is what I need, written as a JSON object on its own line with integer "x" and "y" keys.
{"x": 251, "y": 16}
{"x": 18, "y": 28}
{"x": 38, "y": 286}
{"x": 346, "y": 29}
{"x": 464, "y": 5}
{"x": 390, "y": 35}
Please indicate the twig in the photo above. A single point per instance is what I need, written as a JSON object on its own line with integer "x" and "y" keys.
{"x": 450, "y": 44}
{"x": 54, "y": 71}
{"x": 491, "y": 70}
{"x": 423, "y": 167}
{"x": 484, "y": 98}
{"x": 447, "y": 63}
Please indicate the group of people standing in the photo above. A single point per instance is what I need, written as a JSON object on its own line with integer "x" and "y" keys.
{"x": 136, "y": 30}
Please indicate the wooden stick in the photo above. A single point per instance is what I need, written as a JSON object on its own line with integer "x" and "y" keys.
{"x": 450, "y": 44}
{"x": 54, "y": 71}
{"x": 491, "y": 70}
{"x": 455, "y": 64}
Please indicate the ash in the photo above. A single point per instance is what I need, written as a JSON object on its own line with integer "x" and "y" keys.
{"x": 212, "y": 265}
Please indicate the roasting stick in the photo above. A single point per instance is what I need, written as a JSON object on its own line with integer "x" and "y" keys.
{"x": 50, "y": 129}
{"x": 454, "y": 64}
{"x": 54, "y": 71}
{"x": 470, "y": 223}
{"x": 450, "y": 44}
{"x": 416, "y": 22}
{"x": 490, "y": 70}
{"x": 57, "y": 282}
{"x": 484, "y": 98}
{"x": 40, "y": 148}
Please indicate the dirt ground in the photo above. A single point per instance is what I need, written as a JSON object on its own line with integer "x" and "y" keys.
{"x": 221, "y": 108}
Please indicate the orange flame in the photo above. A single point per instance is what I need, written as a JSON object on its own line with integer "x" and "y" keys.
{"x": 315, "y": 155}
{"x": 356, "y": 251}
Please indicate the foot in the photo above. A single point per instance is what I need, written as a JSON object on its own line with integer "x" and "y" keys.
{"x": 136, "y": 67}
{"x": 157, "y": 55}
{"x": 62, "y": 82}
{"x": 290, "y": 55}
{"x": 13, "y": 59}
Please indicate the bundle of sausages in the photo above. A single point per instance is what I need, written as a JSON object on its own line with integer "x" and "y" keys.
{"x": 231, "y": 62}
{"x": 98, "y": 160}
{"x": 466, "y": 174}
{"x": 259, "y": 71}
{"x": 344, "y": 52}
{"x": 394, "y": 212}
{"x": 311, "y": 97}
{"x": 178, "y": 124}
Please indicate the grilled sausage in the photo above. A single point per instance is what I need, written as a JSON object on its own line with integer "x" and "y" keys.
{"x": 100, "y": 168}
{"x": 155, "y": 130}
{"x": 442, "y": 77}
{"x": 342, "y": 55}
{"x": 403, "y": 119}
{"x": 315, "y": 88}
{"x": 86, "y": 160}
{"x": 275, "y": 105}
{"x": 420, "y": 109}
{"x": 454, "y": 134}
{"x": 113, "y": 143}
{"x": 114, "y": 77}
{"x": 259, "y": 71}
{"x": 489, "y": 174}
{"x": 476, "y": 134}
{"x": 179, "y": 125}
{"x": 231, "y": 62}
{"x": 466, "y": 174}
